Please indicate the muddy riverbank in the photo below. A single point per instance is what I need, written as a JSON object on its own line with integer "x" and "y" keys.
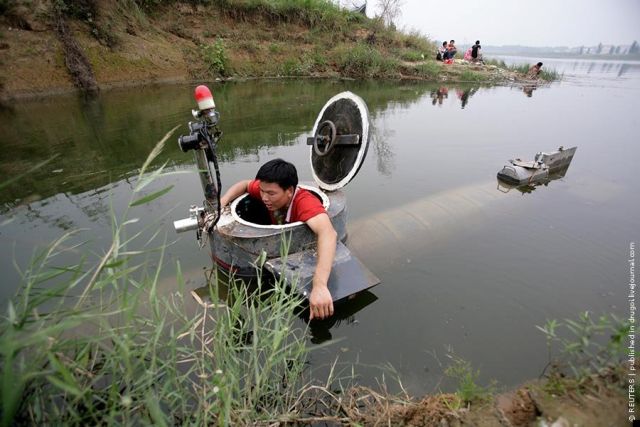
{"x": 596, "y": 401}
{"x": 98, "y": 45}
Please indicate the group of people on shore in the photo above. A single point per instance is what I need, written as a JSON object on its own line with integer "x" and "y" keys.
{"x": 447, "y": 51}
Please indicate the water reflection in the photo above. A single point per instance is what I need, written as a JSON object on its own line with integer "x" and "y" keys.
{"x": 380, "y": 137}
{"x": 505, "y": 187}
{"x": 344, "y": 313}
{"x": 438, "y": 95}
{"x": 528, "y": 89}
{"x": 105, "y": 139}
{"x": 463, "y": 93}
{"x": 345, "y": 310}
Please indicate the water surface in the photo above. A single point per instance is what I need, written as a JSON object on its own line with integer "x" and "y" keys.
{"x": 473, "y": 279}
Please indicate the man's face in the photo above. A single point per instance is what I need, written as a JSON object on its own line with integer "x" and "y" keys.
{"x": 273, "y": 196}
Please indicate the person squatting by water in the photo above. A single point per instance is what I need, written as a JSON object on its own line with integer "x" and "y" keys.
{"x": 476, "y": 55}
{"x": 276, "y": 185}
{"x": 534, "y": 71}
{"x": 441, "y": 50}
{"x": 450, "y": 52}
{"x": 473, "y": 53}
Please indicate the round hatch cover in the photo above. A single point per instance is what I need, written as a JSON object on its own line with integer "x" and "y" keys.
{"x": 340, "y": 141}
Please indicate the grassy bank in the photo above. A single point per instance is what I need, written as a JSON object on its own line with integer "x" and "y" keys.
{"x": 128, "y": 42}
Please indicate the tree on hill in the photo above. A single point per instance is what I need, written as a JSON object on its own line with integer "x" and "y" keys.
{"x": 390, "y": 10}
{"x": 634, "y": 49}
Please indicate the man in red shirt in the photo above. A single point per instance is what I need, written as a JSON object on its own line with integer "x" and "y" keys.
{"x": 276, "y": 184}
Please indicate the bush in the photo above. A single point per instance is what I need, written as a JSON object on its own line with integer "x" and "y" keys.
{"x": 470, "y": 76}
{"x": 275, "y": 48}
{"x": 365, "y": 61}
{"x": 5, "y": 6}
{"x": 79, "y": 9}
{"x": 312, "y": 13}
{"x": 412, "y": 56}
{"x": 215, "y": 57}
{"x": 468, "y": 390}
{"x": 294, "y": 67}
{"x": 429, "y": 69}
{"x": 417, "y": 41}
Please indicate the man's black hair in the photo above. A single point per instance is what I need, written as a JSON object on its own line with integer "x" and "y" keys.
{"x": 539, "y": 64}
{"x": 444, "y": 43}
{"x": 477, "y": 41}
{"x": 280, "y": 172}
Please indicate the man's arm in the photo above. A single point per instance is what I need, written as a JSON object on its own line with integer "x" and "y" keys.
{"x": 235, "y": 191}
{"x": 320, "y": 301}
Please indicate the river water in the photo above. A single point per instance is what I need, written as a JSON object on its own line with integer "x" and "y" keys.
{"x": 473, "y": 279}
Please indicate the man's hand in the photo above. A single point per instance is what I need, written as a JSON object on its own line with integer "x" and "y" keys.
{"x": 235, "y": 191}
{"x": 320, "y": 303}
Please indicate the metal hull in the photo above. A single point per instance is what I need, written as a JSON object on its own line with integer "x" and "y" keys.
{"x": 539, "y": 171}
{"x": 242, "y": 240}
{"x": 236, "y": 245}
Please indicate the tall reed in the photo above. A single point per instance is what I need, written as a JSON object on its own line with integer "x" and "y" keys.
{"x": 98, "y": 343}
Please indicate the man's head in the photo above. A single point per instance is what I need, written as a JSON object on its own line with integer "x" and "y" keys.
{"x": 278, "y": 181}
{"x": 539, "y": 64}
{"x": 477, "y": 41}
{"x": 444, "y": 43}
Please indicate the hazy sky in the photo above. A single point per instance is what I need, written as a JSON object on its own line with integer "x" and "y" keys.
{"x": 531, "y": 23}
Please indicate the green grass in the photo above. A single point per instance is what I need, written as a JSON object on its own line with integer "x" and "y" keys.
{"x": 468, "y": 391}
{"x": 294, "y": 67}
{"x": 364, "y": 61}
{"x": 471, "y": 76}
{"x": 313, "y": 13}
{"x": 429, "y": 70}
{"x": 412, "y": 56}
{"x": 98, "y": 343}
{"x": 215, "y": 58}
{"x": 585, "y": 346}
{"x": 275, "y": 48}
{"x": 417, "y": 41}
{"x": 547, "y": 74}
{"x": 550, "y": 75}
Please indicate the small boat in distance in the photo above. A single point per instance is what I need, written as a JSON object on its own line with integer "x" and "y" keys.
{"x": 540, "y": 170}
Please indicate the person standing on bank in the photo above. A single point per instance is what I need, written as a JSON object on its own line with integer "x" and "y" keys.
{"x": 276, "y": 185}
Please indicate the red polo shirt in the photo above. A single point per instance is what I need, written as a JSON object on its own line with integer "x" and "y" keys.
{"x": 304, "y": 206}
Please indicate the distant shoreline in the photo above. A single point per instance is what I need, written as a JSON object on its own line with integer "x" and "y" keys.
{"x": 555, "y": 55}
